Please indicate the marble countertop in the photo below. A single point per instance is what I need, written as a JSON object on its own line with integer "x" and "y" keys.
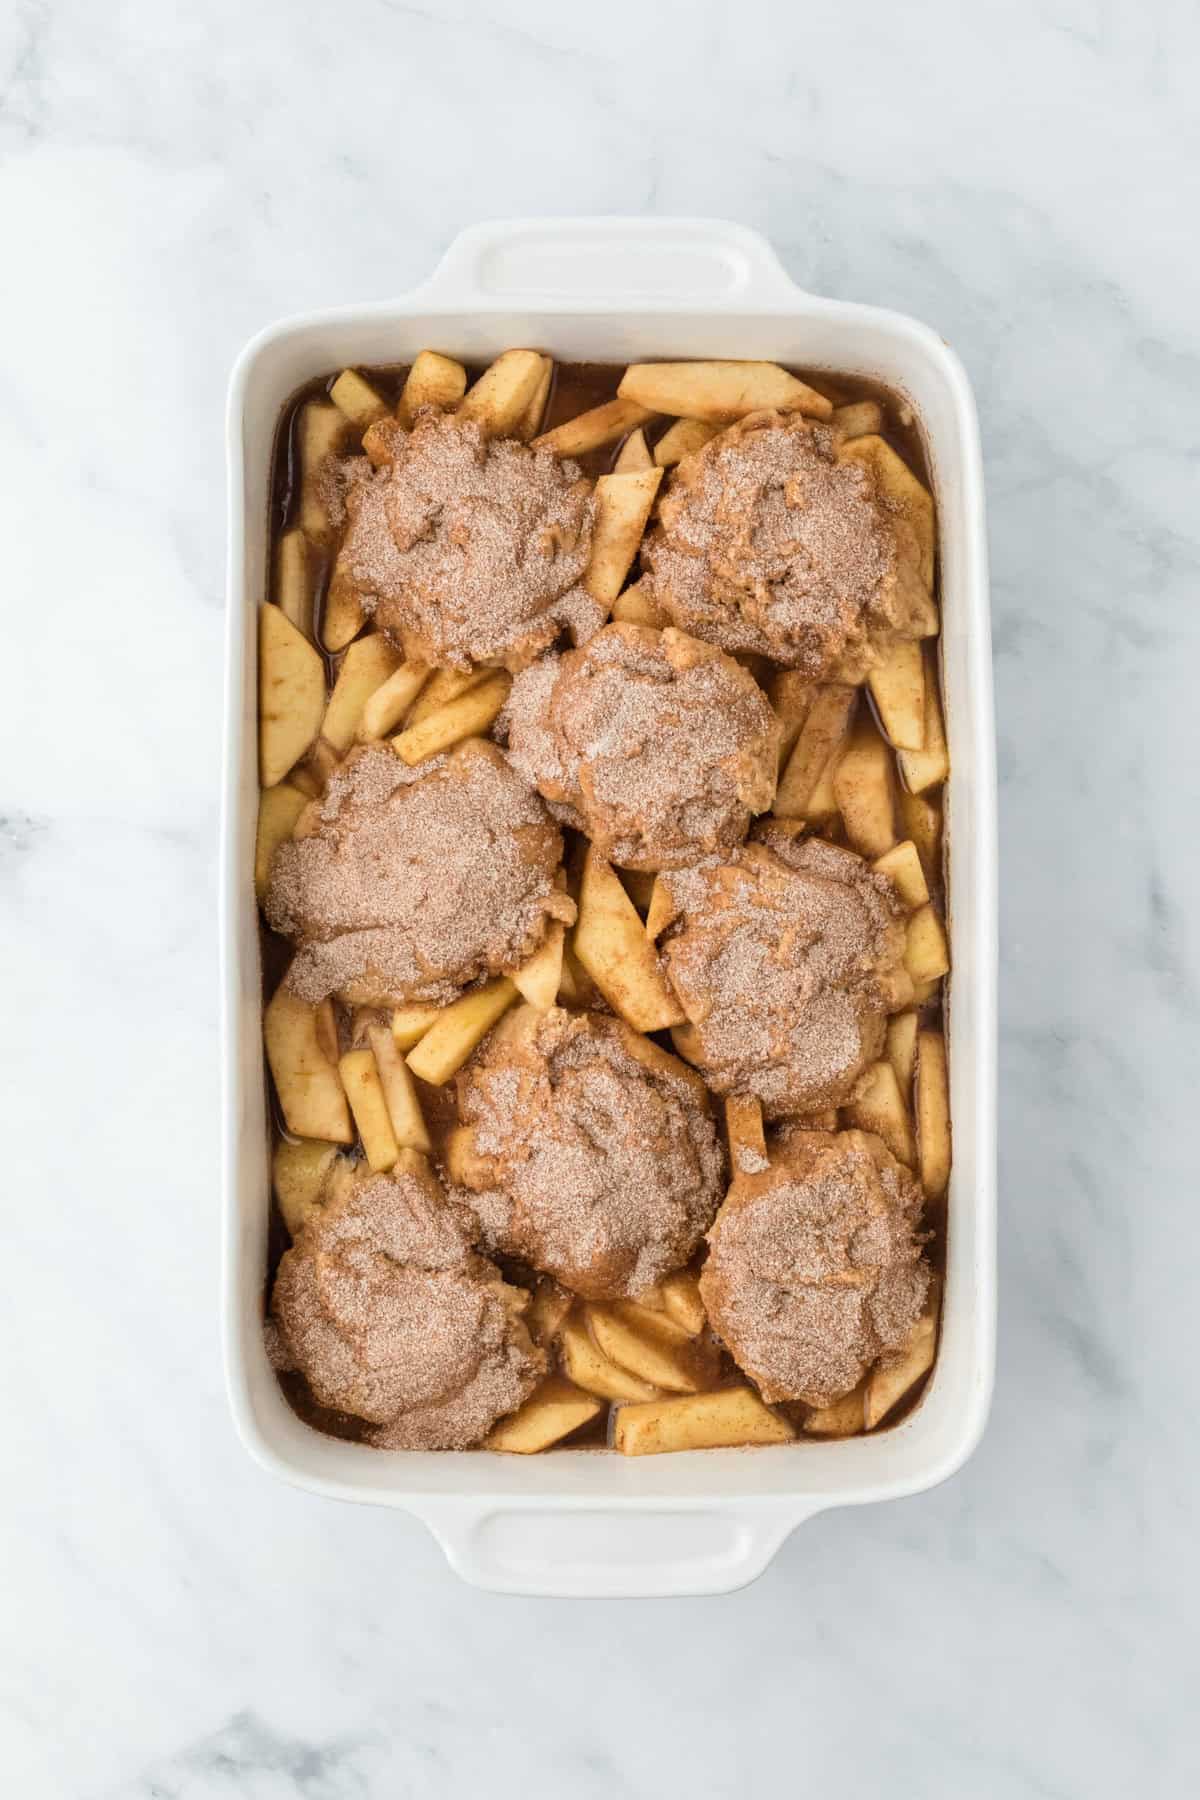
{"x": 177, "y": 1627}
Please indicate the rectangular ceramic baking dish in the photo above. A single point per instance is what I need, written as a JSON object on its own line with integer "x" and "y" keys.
{"x": 617, "y": 290}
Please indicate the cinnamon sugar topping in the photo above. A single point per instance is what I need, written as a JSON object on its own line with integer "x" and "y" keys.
{"x": 815, "y": 1266}
{"x": 390, "y": 1315}
{"x": 768, "y": 543}
{"x": 417, "y": 881}
{"x": 468, "y": 550}
{"x": 782, "y": 960}
{"x": 592, "y": 1152}
{"x": 659, "y": 746}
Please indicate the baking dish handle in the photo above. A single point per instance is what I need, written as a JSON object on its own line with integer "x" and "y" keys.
{"x": 595, "y": 1553}
{"x": 602, "y": 263}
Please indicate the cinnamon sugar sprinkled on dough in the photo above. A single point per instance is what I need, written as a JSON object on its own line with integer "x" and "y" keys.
{"x": 418, "y": 881}
{"x": 534, "y": 748}
{"x": 389, "y": 1314}
{"x": 470, "y": 551}
{"x": 767, "y": 543}
{"x": 661, "y": 746}
{"x": 780, "y": 958}
{"x": 815, "y": 1268}
{"x": 594, "y": 1152}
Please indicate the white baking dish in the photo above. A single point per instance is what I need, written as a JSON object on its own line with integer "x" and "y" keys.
{"x": 586, "y": 1523}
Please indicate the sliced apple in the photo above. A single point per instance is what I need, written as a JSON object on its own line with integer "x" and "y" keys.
{"x": 728, "y": 1417}
{"x": 590, "y": 1369}
{"x": 661, "y": 910}
{"x": 898, "y": 484}
{"x": 877, "y": 1105}
{"x": 634, "y": 455}
{"x": 926, "y": 951}
{"x": 902, "y": 865}
{"x": 681, "y": 439}
{"x": 719, "y": 392}
{"x": 499, "y": 399}
{"x": 681, "y": 1297}
{"x": 539, "y": 979}
{"x": 895, "y": 1376}
{"x": 381, "y": 442}
{"x": 365, "y": 667}
{"x": 864, "y": 787}
{"x": 306, "y": 783}
{"x": 443, "y": 686}
{"x": 593, "y": 429}
{"x": 653, "y": 1358}
{"x": 399, "y": 1091}
{"x": 932, "y": 1106}
{"x": 298, "y": 1172}
{"x": 385, "y": 708}
{"x": 343, "y": 613}
{"x": 921, "y": 820}
{"x": 468, "y": 716}
{"x": 434, "y": 380}
{"x": 648, "y": 1315}
{"x": 744, "y": 1131}
{"x": 321, "y": 431}
{"x": 577, "y": 987}
{"x": 553, "y": 1412}
{"x": 410, "y": 1023}
{"x": 623, "y": 504}
{"x": 925, "y": 768}
{"x": 278, "y": 809}
{"x": 442, "y": 1050}
{"x": 791, "y": 694}
{"x": 294, "y": 579}
{"x": 820, "y": 734}
{"x": 902, "y": 1049}
{"x": 353, "y": 395}
{"x": 364, "y": 1090}
{"x": 611, "y": 944}
{"x": 897, "y": 686}
{"x": 530, "y": 422}
{"x": 313, "y": 776}
{"x": 860, "y": 418}
{"x": 841, "y": 1418}
{"x": 635, "y": 606}
{"x": 301, "y": 1044}
{"x": 291, "y": 694}
{"x": 549, "y": 1304}
{"x": 822, "y": 808}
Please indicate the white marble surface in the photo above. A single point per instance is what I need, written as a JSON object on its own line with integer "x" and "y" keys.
{"x": 1023, "y": 175}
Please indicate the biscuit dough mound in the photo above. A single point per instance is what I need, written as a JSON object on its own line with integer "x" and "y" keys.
{"x": 786, "y": 958}
{"x": 389, "y": 1314}
{"x": 766, "y": 542}
{"x": 591, "y": 1152}
{"x": 659, "y": 747}
{"x": 815, "y": 1266}
{"x": 416, "y": 882}
{"x": 468, "y": 550}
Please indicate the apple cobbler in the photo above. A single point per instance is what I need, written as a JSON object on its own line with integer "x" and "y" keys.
{"x": 599, "y": 858}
